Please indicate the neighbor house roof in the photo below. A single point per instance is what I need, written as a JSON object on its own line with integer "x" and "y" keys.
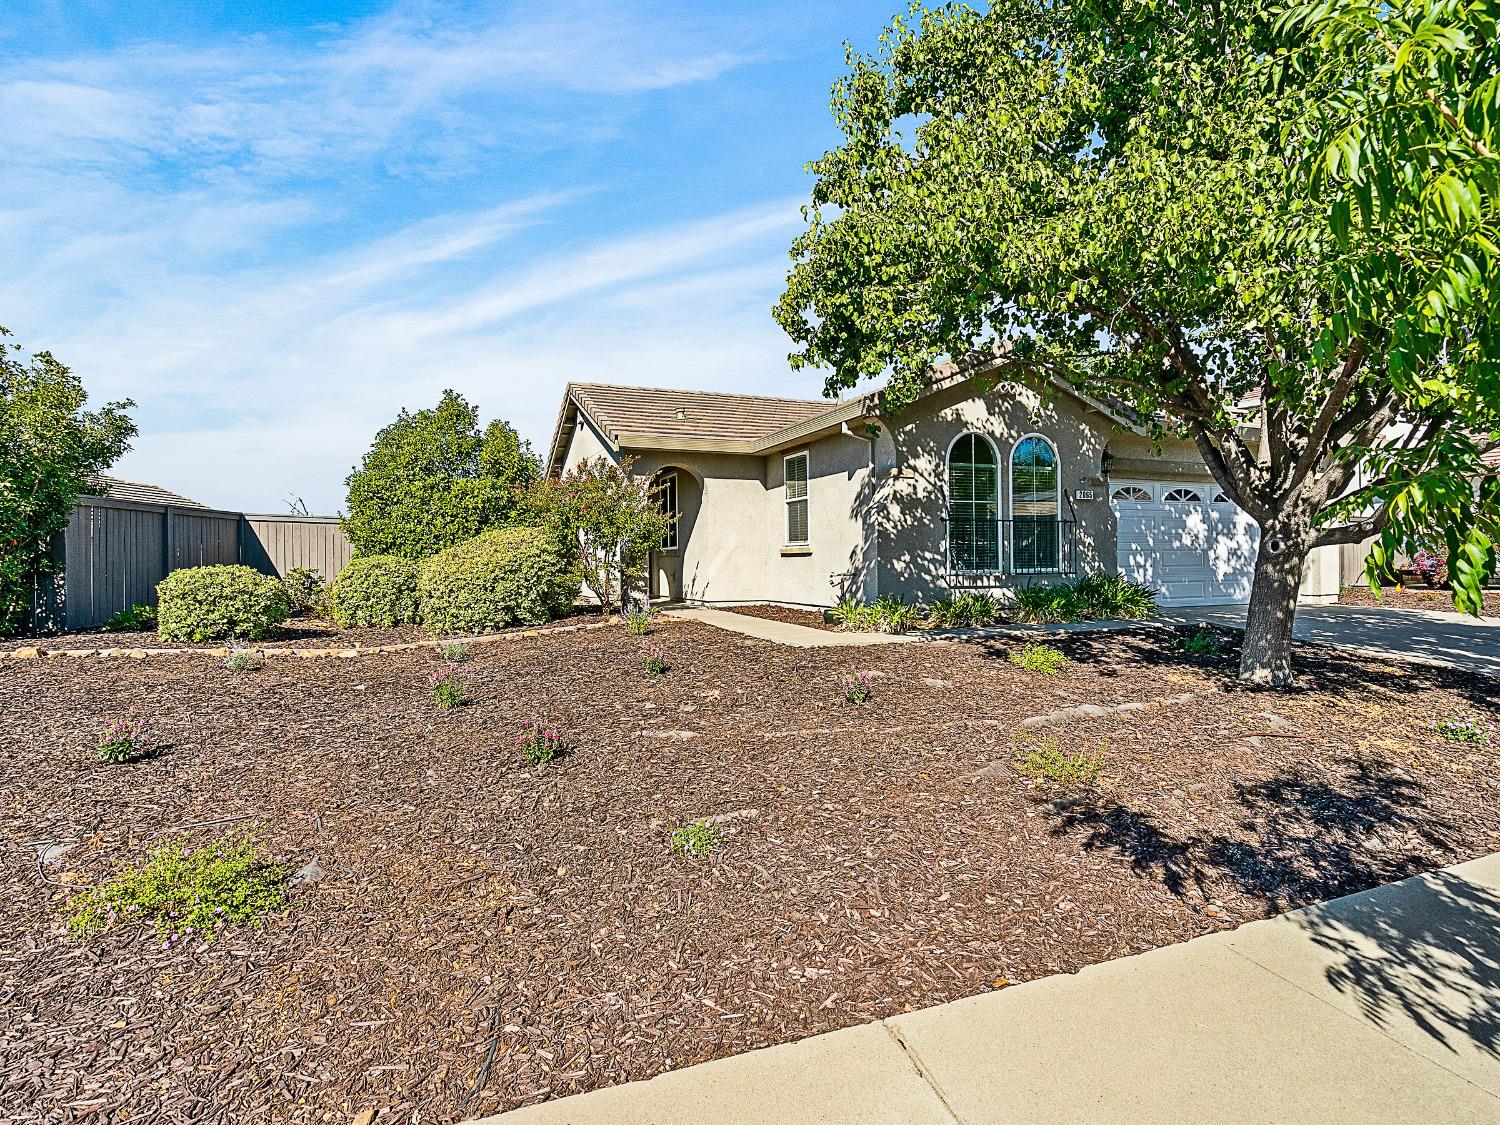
{"x": 661, "y": 418}
{"x": 113, "y": 488}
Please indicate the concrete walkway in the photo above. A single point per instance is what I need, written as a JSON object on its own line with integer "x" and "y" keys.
{"x": 1454, "y": 640}
{"x": 1380, "y": 1007}
{"x": 782, "y": 632}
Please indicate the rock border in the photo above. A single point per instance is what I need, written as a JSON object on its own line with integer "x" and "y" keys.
{"x": 221, "y": 652}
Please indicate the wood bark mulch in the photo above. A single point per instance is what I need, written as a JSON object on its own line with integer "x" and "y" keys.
{"x": 810, "y": 618}
{"x": 1414, "y": 597}
{"x": 298, "y": 633}
{"x": 490, "y": 934}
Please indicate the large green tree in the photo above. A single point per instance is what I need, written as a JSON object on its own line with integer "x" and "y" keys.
{"x": 50, "y": 449}
{"x": 433, "y": 479}
{"x": 1119, "y": 194}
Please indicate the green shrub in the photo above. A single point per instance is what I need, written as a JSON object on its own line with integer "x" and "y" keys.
{"x": 1049, "y": 605}
{"x": 455, "y": 652}
{"x": 654, "y": 658}
{"x": 375, "y": 591}
{"x": 542, "y": 742}
{"x": 1039, "y": 658}
{"x": 887, "y": 614}
{"x": 695, "y": 840}
{"x": 857, "y": 688}
{"x": 205, "y": 603}
{"x": 449, "y": 685}
{"x": 226, "y": 882}
{"x": 639, "y": 621}
{"x": 1205, "y": 642}
{"x": 305, "y": 589}
{"x": 509, "y": 576}
{"x": 1045, "y": 760}
{"x": 966, "y": 610}
{"x": 243, "y": 660}
{"x": 1112, "y": 597}
{"x": 1463, "y": 728}
{"x": 133, "y": 620}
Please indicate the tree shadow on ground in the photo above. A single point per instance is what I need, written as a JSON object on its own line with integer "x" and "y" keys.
{"x": 1430, "y": 950}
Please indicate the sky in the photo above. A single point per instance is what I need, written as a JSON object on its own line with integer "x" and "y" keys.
{"x": 274, "y": 225}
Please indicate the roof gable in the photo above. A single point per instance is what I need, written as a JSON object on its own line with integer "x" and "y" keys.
{"x": 113, "y": 488}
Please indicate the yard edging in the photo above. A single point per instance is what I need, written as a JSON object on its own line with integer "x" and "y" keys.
{"x": 37, "y": 652}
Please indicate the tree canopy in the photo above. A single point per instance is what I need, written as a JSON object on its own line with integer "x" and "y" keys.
{"x": 1125, "y": 195}
{"x": 50, "y": 449}
{"x": 433, "y": 479}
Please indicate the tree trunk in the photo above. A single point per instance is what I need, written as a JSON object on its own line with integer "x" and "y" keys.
{"x": 1266, "y": 658}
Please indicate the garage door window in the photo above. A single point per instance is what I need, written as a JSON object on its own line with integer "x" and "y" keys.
{"x": 1182, "y": 496}
{"x": 1034, "y": 503}
{"x": 973, "y": 504}
{"x": 1131, "y": 495}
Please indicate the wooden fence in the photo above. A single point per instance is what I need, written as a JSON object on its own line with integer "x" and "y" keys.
{"x": 114, "y": 552}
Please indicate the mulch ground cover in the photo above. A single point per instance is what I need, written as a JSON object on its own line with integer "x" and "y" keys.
{"x": 1410, "y": 597}
{"x": 297, "y": 633}
{"x": 488, "y": 934}
{"x": 811, "y": 618}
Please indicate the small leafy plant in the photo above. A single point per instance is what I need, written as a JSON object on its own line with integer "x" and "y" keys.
{"x": 124, "y": 738}
{"x": 640, "y": 621}
{"x": 695, "y": 840}
{"x": 199, "y": 891}
{"x": 654, "y": 658}
{"x": 449, "y": 686}
{"x": 1205, "y": 642}
{"x": 137, "y": 619}
{"x": 858, "y": 687}
{"x": 1046, "y": 760}
{"x": 886, "y": 614}
{"x": 1464, "y": 729}
{"x": 455, "y": 652}
{"x": 243, "y": 659}
{"x": 541, "y": 742}
{"x": 1039, "y": 658}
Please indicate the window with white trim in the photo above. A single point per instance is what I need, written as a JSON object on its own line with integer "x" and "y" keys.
{"x": 973, "y": 504}
{"x": 795, "y": 475}
{"x": 1035, "y": 505}
{"x": 1182, "y": 496}
{"x": 1133, "y": 494}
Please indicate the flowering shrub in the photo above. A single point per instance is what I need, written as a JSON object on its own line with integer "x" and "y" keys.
{"x": 541, "y": 742}
{"x": 1459, "y": 728}
{"x": 227, "y": 882}
{"x": 654, "y": 658}
{"x": 448, "y": 687}
{"x": 695, "y": 840}
{"x": 124, "y": 738}
{"x": 858, "y": 687}
{"x": 1432, "y": 567}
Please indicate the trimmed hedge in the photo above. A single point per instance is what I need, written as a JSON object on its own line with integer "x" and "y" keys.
{"x": 207, "y": 603}
{"x": 375, "y": 590}
{"x": 509, "y": 576}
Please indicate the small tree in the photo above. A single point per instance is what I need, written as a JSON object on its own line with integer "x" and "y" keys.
{"x": 50, "y": 448}
{"x": 433, "y": 479}
{"x": 614, "y": 518}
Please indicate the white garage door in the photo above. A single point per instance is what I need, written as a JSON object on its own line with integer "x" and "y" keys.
{"x": 1188, "y": 541}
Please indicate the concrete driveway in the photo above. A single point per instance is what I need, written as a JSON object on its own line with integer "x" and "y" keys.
{"x": 1452, "y": 639}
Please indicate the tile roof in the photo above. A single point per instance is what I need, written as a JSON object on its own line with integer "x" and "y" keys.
{"x": 658, "y": 412}
{"x": 113, "y": 488}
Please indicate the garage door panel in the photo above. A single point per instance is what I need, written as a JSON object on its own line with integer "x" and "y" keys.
{"x": 1190, "y": 551}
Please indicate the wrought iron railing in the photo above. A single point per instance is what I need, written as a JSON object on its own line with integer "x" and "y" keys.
{"x": 985, "y": 552}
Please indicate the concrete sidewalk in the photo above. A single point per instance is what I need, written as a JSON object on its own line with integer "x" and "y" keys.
{"x": 1380, "y": 1007}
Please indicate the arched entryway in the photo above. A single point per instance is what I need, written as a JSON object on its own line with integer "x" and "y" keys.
{"x": 679, "y": 492}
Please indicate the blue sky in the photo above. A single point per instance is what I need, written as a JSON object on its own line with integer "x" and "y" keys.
{"x": 273, "y": 225}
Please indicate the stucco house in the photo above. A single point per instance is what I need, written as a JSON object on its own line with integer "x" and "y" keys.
{"x": 803, "y": 501}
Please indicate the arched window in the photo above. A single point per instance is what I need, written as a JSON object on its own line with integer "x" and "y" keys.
{"x": 1131, "y": 493}
{"x": 1182, "y": 496}
{"x": 665, "y": 489}
{"x": 1035, "y": 499}
{"x": 973, "y": 504}
{"x": 1220, "y": 498}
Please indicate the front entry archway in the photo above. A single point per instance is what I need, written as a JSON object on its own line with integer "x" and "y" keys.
{"x": 678, "y": 491}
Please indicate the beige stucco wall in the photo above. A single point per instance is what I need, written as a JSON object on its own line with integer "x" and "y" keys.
{"x": 912, "y": 503}
{"x": 732, "y": 544}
